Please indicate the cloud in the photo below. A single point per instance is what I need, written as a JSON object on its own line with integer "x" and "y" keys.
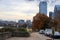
{"x": 29, "y": 0}
{"x": 20, "y": 9}
{"x": 15, "y": 16}
{"x": 17, "y": 9}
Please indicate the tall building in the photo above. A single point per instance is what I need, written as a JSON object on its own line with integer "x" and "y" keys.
{"x": 51, "y": 15}
{"x": 43, "y": 7}
{"x": 57, "y": 14}
{"x": 57, "y": 11}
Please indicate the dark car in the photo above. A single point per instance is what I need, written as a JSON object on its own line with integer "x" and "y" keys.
{"x": 56, "y": 35}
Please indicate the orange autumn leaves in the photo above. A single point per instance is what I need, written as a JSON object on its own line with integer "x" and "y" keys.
{"x": 39, "y": 21}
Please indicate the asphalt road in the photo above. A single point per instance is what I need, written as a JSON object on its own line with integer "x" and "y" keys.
{"x": 34, "y": 36}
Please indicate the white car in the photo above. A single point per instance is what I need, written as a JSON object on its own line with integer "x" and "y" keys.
{"x": 41, "y": 31}
{"x": 56, "y": 34}
{"x": 48, "y": 32}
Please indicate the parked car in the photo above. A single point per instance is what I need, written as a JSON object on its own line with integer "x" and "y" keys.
{"x": 48, "y": 32}
{"x": 56, "y": 34}
{"x": 41, "y": 31}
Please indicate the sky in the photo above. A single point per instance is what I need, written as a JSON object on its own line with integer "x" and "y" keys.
{"x": 21, "y": 9}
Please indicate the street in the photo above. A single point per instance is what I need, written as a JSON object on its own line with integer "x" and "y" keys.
{"x": 34, "y": 36}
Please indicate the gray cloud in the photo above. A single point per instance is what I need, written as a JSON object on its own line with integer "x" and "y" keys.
{"x": 20, "y": 8}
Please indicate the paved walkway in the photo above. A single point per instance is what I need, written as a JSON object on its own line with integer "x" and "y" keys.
{"x": 34, "y": 36}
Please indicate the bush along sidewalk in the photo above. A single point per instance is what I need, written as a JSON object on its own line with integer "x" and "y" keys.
{"x": 6, "y": 33}
{"x": 21, "y": 33}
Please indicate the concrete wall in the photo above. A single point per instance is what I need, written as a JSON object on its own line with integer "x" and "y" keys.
{"x": 5, "y": 35}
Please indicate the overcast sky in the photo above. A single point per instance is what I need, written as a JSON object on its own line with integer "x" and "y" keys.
{"x": 20, "y": 9}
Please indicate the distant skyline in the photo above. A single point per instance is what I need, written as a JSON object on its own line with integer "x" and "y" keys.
{"x": 21, "y": 9}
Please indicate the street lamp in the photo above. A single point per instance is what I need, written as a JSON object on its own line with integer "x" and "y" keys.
{"x": 53, "y": 29}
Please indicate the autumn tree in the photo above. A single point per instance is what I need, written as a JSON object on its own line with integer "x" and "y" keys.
{"x": 53, "y": 23}
{"x": 40, "y": 21}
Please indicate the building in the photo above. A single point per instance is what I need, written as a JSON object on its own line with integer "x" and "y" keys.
{"x": 21, "y": 21}
{"x": 21, "y": 24}
{"x": 57, "y": 11}
{"x": 43, "y": 7}
{"x": 29, "y": 23}
{"x": 57, "y": 14}
{"x": 7, "y": 24}
{"x": 51, "y": 15}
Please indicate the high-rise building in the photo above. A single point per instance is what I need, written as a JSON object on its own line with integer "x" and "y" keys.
{"x": 57, "y": 14}
{"x": 57, "y": 11}
{"x": 43, "y": 7}
{"x": 51, "y": 15}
